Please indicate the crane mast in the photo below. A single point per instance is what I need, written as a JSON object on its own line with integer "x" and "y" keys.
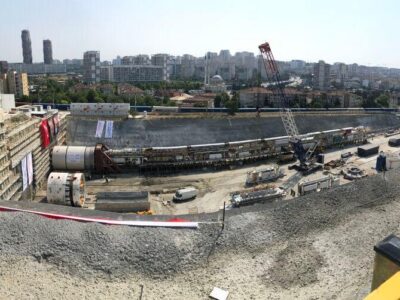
{"x": 274, "y": 76}
{"x": 286, "y": 114}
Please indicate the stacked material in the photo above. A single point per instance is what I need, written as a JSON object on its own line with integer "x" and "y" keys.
{"x": 367, "y": 150}
{"x": 252, "y": 197}
{"x": 394, "y": 142}
{"x": 122, "y": 201}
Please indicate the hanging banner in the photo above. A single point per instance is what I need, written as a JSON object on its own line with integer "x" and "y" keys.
{"x": 109, "y": 129}
{"x": 29, "y": 167}
{"x": 99, "y": 129}
{"x": 24, "y": 174}
{"x": 44, "y": 131}
{"x": 56, "y": 121}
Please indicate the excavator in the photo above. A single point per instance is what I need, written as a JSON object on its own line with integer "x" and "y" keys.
{"x": 305, "y": 156}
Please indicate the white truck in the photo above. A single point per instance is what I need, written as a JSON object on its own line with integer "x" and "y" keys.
{"x": 187, "y": 193}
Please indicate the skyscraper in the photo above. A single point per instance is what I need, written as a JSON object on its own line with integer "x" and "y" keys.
{"x": 91, "y": 66}
{"x": 26, "y": 46}
{"x": 321, "y": 75}
{"x": 47, "y": 52}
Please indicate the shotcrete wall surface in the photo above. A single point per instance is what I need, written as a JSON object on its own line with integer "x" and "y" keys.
{"x": 192, "y": 131}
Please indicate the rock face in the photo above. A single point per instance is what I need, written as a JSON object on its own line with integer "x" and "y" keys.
{"x": 191, "y": 131}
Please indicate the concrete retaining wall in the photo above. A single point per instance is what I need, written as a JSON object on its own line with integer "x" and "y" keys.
{"x": 190, "y": 131}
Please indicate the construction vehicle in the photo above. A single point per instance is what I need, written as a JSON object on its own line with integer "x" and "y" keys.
{"x": 325, "y": 182}
{"x": 307, "y": 164}
{"x": 187, "y": 193}
{"x": 242, "y": 198}
{"x": 270, "y": 173}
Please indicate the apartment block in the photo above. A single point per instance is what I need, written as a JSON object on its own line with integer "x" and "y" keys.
{"x": 16, "y": 83}
{"x": 91, "y": 67}
{"x": 321, "y": 75}
{"x": 3, "y": 66}
{"x": 133, "y": 73}
{"x": 39, "y": 68}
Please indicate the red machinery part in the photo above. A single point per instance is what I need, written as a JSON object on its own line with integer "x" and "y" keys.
{"x": 45, "y": 133}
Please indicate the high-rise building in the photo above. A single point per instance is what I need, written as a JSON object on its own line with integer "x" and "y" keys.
{"x": 128, "y": 60}
{"x": 225, "y": 55}
{"x": 16, "y": 83}
{"x": 91, "y": 66}
{"x": 187, "y": 66}
{"x": 340, "y": 71}
{"x": 47, "y": 52}
{"x": 117, "y": 61}
{"x": 321, "y": 75}
{"x": 132, "y": 73}
{"x": 162, "y": 60}
{"x": 3, "y": 83}
{"x": 3, "y": 66}
{"x": 142, "y": 59}
{"x": 26, "y": 46}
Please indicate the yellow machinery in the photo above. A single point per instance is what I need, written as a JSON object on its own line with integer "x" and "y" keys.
{"x": 389, "y": 290}
{"x": 386, "y": 278}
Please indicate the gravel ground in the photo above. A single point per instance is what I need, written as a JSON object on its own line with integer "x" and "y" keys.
{"x": 315, "y": 247}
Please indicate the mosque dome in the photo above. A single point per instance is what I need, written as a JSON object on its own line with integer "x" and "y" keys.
{"x": 216, "y": 79}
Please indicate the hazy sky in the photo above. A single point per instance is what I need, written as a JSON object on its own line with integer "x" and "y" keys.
{"x": 361, "y": 31}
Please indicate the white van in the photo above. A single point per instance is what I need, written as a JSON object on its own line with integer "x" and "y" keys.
{"x": 185, "y": 194}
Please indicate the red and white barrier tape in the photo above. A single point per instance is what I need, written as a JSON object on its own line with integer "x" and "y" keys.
{"x": 173, "y": 223}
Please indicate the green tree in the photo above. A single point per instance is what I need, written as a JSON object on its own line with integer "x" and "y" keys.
{"x": 337, "y": 103}
{"x": 91, "y": 96}
{"x": 233, "y": 104}
{"x": 217, "y": 100}
{"x": 165, "y": 100}
{"x": 25, "y": 98}
{"x": 149, "y": 100}
{"x": 225, "y": 99}
{"x": 316, "y": 103}
{"x": 383, "y": 100}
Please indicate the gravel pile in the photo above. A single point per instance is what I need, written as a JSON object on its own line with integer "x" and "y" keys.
{"x": 314, "y": 212}
{"x": 314, "y": 247}
{"x": 81, "y": 249}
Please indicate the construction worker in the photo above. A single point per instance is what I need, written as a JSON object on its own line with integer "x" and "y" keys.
{"x": 381, "y": 162}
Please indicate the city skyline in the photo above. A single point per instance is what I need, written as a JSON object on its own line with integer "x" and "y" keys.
{"x": 178, "y": 28}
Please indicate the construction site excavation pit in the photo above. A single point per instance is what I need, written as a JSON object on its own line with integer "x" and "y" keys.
{"x": 313, "y": 241}
{"x": 212, "y": 153}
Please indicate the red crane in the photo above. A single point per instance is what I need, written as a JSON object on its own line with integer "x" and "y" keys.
{"x": 272, "y": 71}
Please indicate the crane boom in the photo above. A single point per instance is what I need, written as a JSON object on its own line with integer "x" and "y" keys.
{"x": 273, "y": 74}
{"x": 286, "y": 114}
